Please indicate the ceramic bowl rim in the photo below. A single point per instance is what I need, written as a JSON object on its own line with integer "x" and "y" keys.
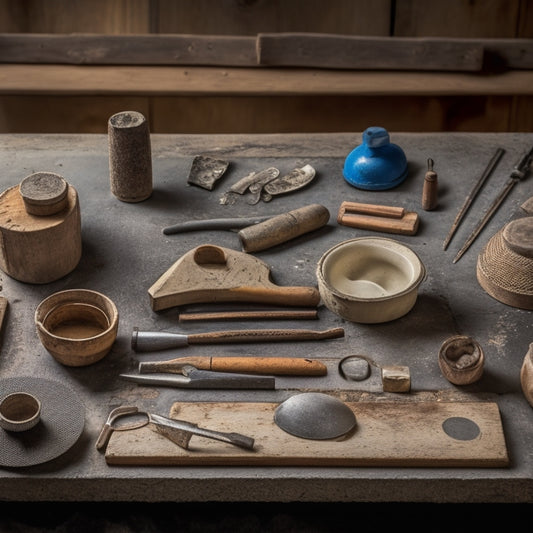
{"x": 383, "y": 243}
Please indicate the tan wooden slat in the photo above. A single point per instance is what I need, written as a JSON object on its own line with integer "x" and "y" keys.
{"x": 285, "y": 49}
{"x": 231, "y": 17}
{"x": 68, "y": 16}
{"x": 106, "y": 80}
{"x": 525, "y": 20}
{"x": 211, "y": 114}
{"x": 128, "y": 49}
{"x": 456, "y": 18}
{"x": 353, "y": 52}
{"x": 522, "y": 114}
{"x": 329, "y": 113}
{"x": 72, "y": 114}
{"x": 386, "y": 434}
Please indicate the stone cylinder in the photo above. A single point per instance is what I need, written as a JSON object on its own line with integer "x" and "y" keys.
{"x": 130, "y": 156}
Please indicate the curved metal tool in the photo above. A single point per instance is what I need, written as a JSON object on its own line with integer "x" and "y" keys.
{"x": 178, "y": 431}
{"x": 109, "y": 426}
{"x": 193, "y": 378}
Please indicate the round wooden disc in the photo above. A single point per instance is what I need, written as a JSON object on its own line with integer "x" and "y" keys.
{"x": 518, "y": 235}
{"x": 43, "y": 193}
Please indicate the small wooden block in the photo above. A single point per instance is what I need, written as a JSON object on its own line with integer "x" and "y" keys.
{"x": 406, "y": 225}
{"x": 396, "y": 378}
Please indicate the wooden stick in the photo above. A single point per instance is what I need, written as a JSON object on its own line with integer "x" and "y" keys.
{"x": 370, "y": 209}
{"x": 408, "y": 225}
{"x": 246, "y": 315}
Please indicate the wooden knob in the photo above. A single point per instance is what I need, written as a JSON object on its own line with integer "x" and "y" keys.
{"x": 518, "y": 235}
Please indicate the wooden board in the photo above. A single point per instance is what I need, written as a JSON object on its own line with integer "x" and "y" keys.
{"x": 99, "y": 49}
{"x": 241, "y": 81}
{"x": 387, "y": 434}
{"x": 372, "y": 53}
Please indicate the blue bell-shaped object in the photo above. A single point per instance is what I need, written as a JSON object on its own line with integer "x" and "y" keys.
{"x": 377, "y": 164}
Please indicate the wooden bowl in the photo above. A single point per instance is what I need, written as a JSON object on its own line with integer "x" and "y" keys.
{"x": 19, "y": 411}
{"x": 461, "y": 360}
{"x": 78, "y": 327}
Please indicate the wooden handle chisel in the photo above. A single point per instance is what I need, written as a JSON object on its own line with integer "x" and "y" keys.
{"x": 277, "y": 366}
{"x": 149, "y": 341}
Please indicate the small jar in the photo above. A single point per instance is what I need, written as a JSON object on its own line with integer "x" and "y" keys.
{"x": 130, "y": 156}
{"x": 19, "y": 411}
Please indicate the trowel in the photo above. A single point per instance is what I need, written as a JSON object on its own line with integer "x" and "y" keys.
{"x": 212, "y": 273}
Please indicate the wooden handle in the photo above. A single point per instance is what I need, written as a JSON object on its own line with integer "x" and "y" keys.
{"x": 370, "y": 209}
{"x": 289, "y": 314}
{"x": 263, "y": 335}
{"x": 282, "y": 228}
{"x": 276, "y": 366}
{"x": 269, "y": 365}
{"x": 290, "y": 296}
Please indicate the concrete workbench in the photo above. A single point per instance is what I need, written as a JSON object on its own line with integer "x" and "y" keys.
{"x": 125, "y": 252}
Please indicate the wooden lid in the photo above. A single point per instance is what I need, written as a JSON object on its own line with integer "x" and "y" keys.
{"x": 518, "y": 235}
{"x": 44, "y": 193}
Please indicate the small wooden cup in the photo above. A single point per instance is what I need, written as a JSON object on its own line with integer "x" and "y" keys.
{"x": 19, "y": 411}
{"x": 461, "y": 360}
{"x": 78, "y": 327}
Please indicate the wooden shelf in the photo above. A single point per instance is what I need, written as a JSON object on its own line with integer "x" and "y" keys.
{"x": 26, "y": 79}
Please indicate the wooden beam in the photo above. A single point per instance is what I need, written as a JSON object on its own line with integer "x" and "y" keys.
{"x": 269, "y": 49}
{"x": 214, "y": 81}
{"x": 381, "y": 53}
{"x": 97, "y": 49}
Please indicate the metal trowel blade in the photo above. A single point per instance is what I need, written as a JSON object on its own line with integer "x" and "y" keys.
{"x": 206, "y": 171}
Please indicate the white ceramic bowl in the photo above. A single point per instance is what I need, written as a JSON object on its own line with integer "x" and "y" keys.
{"x": 370, "y": 279}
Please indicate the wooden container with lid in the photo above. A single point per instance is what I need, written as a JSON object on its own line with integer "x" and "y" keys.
{"x": 40, "y": 229}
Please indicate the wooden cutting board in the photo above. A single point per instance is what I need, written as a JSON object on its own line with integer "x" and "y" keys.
{"x": 387, "y": 434}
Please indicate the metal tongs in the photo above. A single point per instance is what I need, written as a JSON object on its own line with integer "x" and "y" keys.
{"x": 178, "y": 431}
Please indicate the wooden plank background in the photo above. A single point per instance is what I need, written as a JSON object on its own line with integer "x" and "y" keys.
{"x": 271, "y": 113}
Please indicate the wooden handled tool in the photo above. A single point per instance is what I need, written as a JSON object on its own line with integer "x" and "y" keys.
{"x": 276, "y": 366}
{"x": 282, "y": 228}
{"x": 148, "y": 341}
{"x": 211, "y": 273}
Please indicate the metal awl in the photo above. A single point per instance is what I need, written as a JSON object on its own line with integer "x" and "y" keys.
{"x": 473, "y": 193}
{"x": 519, "y": 172}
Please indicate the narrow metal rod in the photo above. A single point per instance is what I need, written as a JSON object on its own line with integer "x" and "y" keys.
{"x": 519, "y": 172}
{"x": 481, "y": 224}
{"x": 215, "y": 224}
{"x": 473, "y": 193}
